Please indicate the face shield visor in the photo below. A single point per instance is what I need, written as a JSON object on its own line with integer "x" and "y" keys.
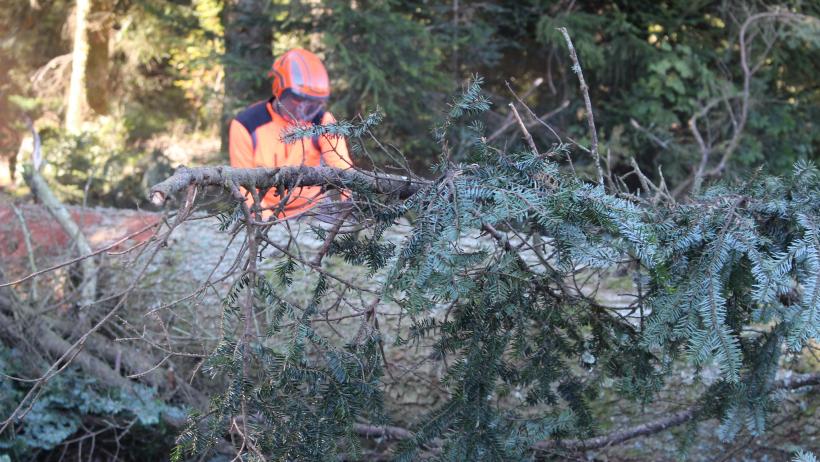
{"x": 295, "y": 107}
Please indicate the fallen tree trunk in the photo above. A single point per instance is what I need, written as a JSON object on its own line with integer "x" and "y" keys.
{"x": 40, "y": 188}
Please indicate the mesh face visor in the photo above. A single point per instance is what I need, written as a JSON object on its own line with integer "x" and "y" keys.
{"x": 299, "y": 108}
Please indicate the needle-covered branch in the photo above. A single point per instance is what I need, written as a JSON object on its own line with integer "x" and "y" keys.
{"x": 662, "y": 424}
{"x": 610, "y": 439}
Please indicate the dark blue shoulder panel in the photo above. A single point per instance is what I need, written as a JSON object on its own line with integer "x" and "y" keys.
{"x": 254, "y": 116}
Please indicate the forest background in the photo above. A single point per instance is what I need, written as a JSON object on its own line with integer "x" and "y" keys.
{"x": 162, "y": 80}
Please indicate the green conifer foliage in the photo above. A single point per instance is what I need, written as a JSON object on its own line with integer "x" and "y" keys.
{"x": 520, "y": 315}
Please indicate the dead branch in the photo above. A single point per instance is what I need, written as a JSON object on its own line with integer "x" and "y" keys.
{"x": 51, "y": 79}
{"x": 29, "y": 248}
{"x": 653, "y": 137}
{"x": 288, "y": 177}
{"x": 89, "y": 269}
{"x": 509, "y": 121}
{"x": 576, "y": 67}
{"x": 659, "y": 425}
{"x": 331, "y": 235}
{"x": 527, "y": 136}
{"x": 38, "y": 331}
{"x": 72, "y": 351}
{"x": 538, "y": 119}
{"x": 748, "y": 72}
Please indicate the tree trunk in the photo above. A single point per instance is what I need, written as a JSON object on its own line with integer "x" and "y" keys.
{"x": 76, "y": 89}
{"x": 248, "y": 55}
{"x": 10, "y": 135}
{"x": 97, "y": 78}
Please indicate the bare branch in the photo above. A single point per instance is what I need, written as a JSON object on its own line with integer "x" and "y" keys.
{"x": 738, "y": 120}
{"x": 538, "y": 120}
{"x": 663, "y": 144}
{"x": 748, "y": 72}
{"x": 331, "y": 235}
{"x": 576, "y": 67}
{"x": 29, "y": 248}
{"x": 73, "y": 350}
{"x": 83, "y": 257}
{"x": 705, "y": 150}
{"x": 290, "y": 177}
{"x": 524, "y": 130}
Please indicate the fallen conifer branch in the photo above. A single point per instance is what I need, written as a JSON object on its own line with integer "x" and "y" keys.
{"x": 610, "y": 439}
{"x": 664, "y": 423}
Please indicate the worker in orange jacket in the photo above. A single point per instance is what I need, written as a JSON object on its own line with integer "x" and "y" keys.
{"x": 301, "y": 89}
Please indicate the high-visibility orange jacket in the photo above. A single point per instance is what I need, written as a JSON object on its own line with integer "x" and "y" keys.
{"x": 256, "y": 141}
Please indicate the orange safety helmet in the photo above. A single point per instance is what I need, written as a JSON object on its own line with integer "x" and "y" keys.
{"x": 302, "y": 73}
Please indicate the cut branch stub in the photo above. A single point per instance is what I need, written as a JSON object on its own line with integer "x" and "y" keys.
{"x": 265, "y": 178}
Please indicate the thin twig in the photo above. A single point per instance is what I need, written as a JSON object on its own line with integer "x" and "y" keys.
{"x": 539, "y": 120}
{"x": 738, "y": 121}
{"x": 82, "y": 257}
{"x": 29, "y": 248}
{"x": 527, "y": 136}
{"x": 576, "y": 67}
{"x": 74, "y": 349}
{"x": 331, "y": 235}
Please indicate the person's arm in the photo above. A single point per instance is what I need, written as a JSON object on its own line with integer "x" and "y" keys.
{"x": 240, "y": 146}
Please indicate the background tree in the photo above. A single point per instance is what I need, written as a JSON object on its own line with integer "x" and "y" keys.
{"x": 248, "y": 56}
{"x": 79, "y": 59}
{"x": 652, "y": 69}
